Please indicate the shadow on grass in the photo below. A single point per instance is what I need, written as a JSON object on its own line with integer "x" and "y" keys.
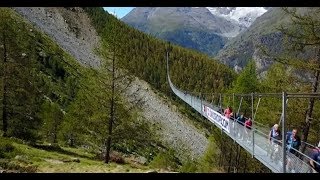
{"x": 60, "y": 150}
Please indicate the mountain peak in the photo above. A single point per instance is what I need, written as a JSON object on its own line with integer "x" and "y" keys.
{"x": 243, "y": 15}
{"x": 201, "y": 28}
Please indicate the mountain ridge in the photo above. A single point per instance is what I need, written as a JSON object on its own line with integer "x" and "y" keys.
{"x": 195, "y": 28}
{"x": 263, "y": 32}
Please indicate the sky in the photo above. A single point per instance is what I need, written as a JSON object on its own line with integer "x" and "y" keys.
{"x": 119, "y": 11}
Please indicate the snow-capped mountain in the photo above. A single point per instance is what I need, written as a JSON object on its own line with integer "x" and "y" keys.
{"x": 242, "y": 15}
{"x": 199, "y": 28}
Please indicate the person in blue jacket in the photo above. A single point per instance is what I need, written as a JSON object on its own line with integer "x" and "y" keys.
{"x": 293, "y": 142}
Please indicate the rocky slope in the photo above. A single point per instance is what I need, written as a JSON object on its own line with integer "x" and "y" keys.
{"x": 71, "y": 29}
{"x": 75, "y": 36}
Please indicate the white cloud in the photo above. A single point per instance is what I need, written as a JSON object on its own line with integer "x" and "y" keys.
{"x": 114, "y": 14}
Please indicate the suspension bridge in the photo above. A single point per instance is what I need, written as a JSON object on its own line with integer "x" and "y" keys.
{"x": 256, "y": 141}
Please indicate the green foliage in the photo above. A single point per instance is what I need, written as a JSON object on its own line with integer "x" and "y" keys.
{"x": 6, "y": 148}
{"x": 71, "y": 102}
{"x": 202, "y": 41}
{"x": 165, "y": 160}
{"x": 247, "y": 81}
{"x": 277, "y": 79}
{"x": 59, "y": 100}
{"x": 33, "y": 71}
{"x": 144, "y": 56}
{"x": 20, "y": 97}
{"x": 52, "y": 116}
{"x": 189, "y": 167}
{"x": 16, "y": 167}
{"x": 207, "y": 163}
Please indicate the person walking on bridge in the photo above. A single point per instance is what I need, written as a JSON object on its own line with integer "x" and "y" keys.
{"x": 293, "y": 143}
{"x": 248, "y": 125}
{"x": 241, "y": 120}
{"x": 274, "y": 141}
{"x": 228, "y": 112}
{"x": 274, "y": 134}
{"x": 315, "y": 159}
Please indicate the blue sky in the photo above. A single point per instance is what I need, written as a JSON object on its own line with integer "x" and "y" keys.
{"x": 120, "y": 11}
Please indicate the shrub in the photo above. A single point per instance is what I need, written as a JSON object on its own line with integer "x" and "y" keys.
{"x": 6, "y": 148}
{"x": 189, "y": 167}
{"x": 165, "y": 160}
{"x": 9, "y": 165}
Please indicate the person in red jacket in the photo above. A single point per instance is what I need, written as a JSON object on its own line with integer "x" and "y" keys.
{"x": 228, "y": 112}
{"x": 248, "y": 125}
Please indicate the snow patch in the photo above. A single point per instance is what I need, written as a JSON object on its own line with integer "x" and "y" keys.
{"x": 243, "y": 15}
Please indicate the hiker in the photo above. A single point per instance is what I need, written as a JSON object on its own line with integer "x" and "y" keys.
{"x": 274, "y": 142}
{"x": 274, "y": 134}
{"x": 315, "y": 159}
{"x": 248, "y": 125}
{"x": 228, "y": 112}
{"x": 241, "y": 120}
{"x": 293, "y": 141}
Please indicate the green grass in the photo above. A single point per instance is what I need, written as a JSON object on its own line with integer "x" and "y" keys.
{"x": 26, "y": 158}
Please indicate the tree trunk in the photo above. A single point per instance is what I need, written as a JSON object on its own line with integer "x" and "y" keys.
{"x": 245, "y": 163}
{"x": 71, "y": 141}
{"x": 238, "y": 157}
{"x": 220, "y": 157}
{"x": 4, "y": 111}
{"x": 315, "y": 83}
{"x": 112, "y": 104}
{"x": 5, "y": 88}
{"x": 55, "y": 129}
{"x": 230, "y": 158}
{"x": 108, "y": 143}
{"x": 220, "y": 146}
{"x": 238, "y": 164}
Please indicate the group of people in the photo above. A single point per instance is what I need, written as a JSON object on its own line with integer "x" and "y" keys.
{"x": 293, "y": 143}
{"x": 241, "y": 119}
{"x": 292, "y": 140}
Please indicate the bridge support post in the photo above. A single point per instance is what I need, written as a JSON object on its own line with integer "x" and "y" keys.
{"x": 233, "y": 106}
{"x": 252, "y": 142}
{"x": 240, "y": 105}
{"x": 284, "y": 107}
{"x": 220, "y": 102}
{"x": 252, "y": 101}
{"x": 201, "y": 104}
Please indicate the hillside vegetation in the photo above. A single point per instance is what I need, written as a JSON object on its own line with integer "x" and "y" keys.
{"x": 49, "y": 98}
{"x": 56, "y": 112}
